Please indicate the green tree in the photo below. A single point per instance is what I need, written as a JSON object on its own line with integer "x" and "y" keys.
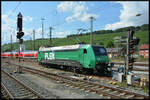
{"x": 137, "y": 28}
{"x": 110, "y": 44}
{"x": 101, "y": 43}
{"x": 145, "y": 27}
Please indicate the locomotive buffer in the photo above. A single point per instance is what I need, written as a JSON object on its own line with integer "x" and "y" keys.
{"x": 19, "y": 36}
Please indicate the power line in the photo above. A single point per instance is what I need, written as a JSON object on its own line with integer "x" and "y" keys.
{"x": 16, "y": 6}
{"x": 14, "y": 11}
{"x": 50, "y": 13}
{"x": 60, "y": 23}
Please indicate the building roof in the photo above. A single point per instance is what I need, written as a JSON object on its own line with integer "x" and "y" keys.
{"x": 144, "y": 47}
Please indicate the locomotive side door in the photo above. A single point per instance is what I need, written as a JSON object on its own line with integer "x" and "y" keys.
{"x": 84, "y": 56}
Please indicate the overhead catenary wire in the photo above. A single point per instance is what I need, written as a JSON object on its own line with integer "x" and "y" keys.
{"x": 12, "y": 28}
{"x": 59, "y": 24}
{"x": 16, "y": 6}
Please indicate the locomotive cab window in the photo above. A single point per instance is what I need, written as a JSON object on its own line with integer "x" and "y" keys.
{"x": 99, "y": 50}
{"x": 85, "y": 51}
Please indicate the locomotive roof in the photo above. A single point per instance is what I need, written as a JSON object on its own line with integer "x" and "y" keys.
{"x": 68, "y": 47}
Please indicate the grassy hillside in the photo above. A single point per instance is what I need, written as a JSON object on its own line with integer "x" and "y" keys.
{"x": 143, "y": 35}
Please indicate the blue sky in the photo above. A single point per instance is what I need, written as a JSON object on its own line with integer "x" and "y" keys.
{"x": 67, "y": 17}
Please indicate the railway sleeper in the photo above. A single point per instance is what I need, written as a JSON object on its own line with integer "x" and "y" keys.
{"x": 95, "y": 87}
{"x": 101, "y": 88}
{"x": 4, "y": 94}
{"x": 129, "y": 96}
{"x": 114, "y": 92}
{"x": 34, "y": 97}
{"x": 107, "y": 90}
{"x": 79, "y": 85}
{"x": 23, "y": 89}
{"x": 25, "y": 93}
{"x": 89, "y": 86}
{"x": 140, "y": 97}
{"x": 26, "y": 96}
{"x": 122, "y": 94}
{"x": 112, "y": 96}
{"x": 72, "y": 84}
{"x": 93, "y": 90}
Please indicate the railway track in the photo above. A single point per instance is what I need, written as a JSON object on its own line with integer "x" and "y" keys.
{"x": 5, "y": 93}
{"x": 116, "y": 63}
{"x": 16, "y": 88}
{"x": 135, "y": 64}
{"x": 134, "y": 69}
{"x": 109, "y": 92}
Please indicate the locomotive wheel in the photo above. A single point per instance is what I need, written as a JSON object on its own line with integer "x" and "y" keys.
{"x": 65, "y": 67}
{"x": 40, "y": 63}
{"x": 87, "y": 71}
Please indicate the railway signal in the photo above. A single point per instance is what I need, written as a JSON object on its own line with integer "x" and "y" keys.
{"x": 19, "y": 22}
{"x": 131, "y": 49}
{"x": 20, "y": 41}
{"x": 20, "y": 34}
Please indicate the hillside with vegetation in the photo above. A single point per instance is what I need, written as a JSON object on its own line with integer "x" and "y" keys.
{"x": 101, "y": 37}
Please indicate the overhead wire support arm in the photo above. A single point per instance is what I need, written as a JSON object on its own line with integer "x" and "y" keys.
{"x": 78, "y": 32}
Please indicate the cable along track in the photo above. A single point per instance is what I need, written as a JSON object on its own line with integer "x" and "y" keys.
{"x": 110, "y": 92}
{"x": 16, "y": 89}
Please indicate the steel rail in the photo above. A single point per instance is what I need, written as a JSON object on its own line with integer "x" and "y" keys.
{"x": 5, "y": 92}
{"x": 35, "y": 94}
{"x": 76, "y": 83}
{"x": 117, "y": 63}
{"x": 135, "y": 64}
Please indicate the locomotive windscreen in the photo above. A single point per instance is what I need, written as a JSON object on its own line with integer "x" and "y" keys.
{"x": 99, "y": 50}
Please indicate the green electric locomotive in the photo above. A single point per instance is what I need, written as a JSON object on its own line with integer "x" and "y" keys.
{"x": 81, "y": 56}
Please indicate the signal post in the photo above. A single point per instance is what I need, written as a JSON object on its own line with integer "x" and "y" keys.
{"x": 131, "y": 48}
{"x": 19, "y": 36}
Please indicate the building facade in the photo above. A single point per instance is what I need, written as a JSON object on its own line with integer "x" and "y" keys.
{"x": 114, "y": 52}
{"x": 144, "y": 50}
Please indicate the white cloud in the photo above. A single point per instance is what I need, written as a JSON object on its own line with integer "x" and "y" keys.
{"x": 6, "y": 23}
{"x": 9, "y": 26}
{"x": 7, "y": 20}
{"x": 62, "y": 34}
{"x": 29, "y": 33}
{"x": 65, "y": 6}
{"x": 128, "y": 15}
{"x": 27, "y": 19}
{"x": 78, "y": 10}
{"x": 86, "y": 17}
